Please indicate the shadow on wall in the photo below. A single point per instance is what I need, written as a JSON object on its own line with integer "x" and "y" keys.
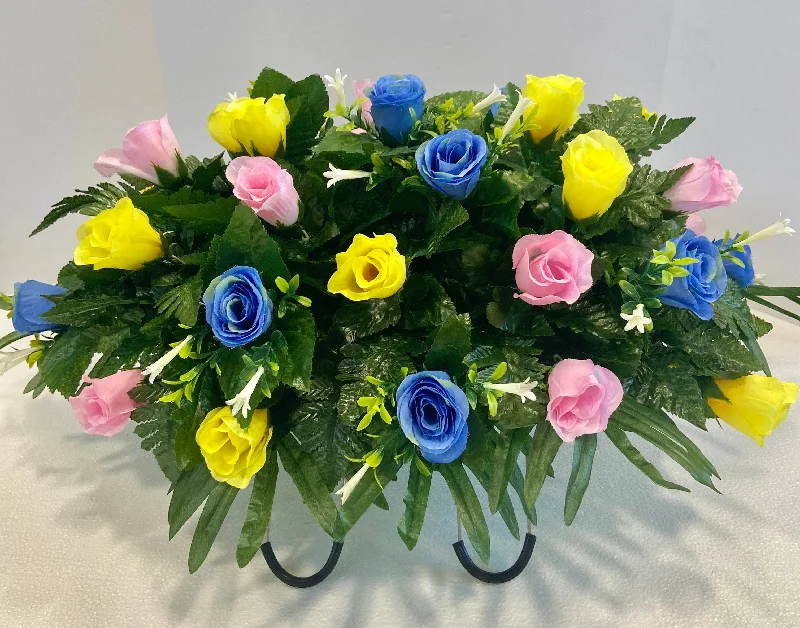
{"x": 111, "y": 486}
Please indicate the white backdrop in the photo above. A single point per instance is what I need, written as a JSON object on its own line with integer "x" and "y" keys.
{"x": 83, "y": 525}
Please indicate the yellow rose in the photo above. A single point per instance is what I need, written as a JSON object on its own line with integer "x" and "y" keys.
{"x": 251, "y": 124}
{"x": 645, "y": 112}
{"x": 756, "y": 404}
{"x": 596, "y": 169}
{"x": 120, "y": 237}
{"x": 558, "y": 98}
{"x": 370, "y": 268}
{"x": 232, "y": 454}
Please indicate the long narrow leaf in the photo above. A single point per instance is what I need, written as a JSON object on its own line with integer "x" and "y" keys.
{"x": 506, "y": 454}
{"x": 191, "y": 490}
{"x": 543, "y": 450}
{"x": 363, "y": 496}
{"x": 259, "y": 511}
{"x": 518, "y": 484}
{"x": 416, "y": 501}
{"x": 468, "y": 507}
{"x": 582, "y": 458}
{"x": 621, "y": 442}
{"x": 214, "y": 512}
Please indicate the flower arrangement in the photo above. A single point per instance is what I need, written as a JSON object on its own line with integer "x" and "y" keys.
{"x": 449, "y": 283}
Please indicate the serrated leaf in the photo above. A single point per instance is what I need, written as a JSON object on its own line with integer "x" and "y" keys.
{"x": 183, "y": 301}
{"x": 364, "y": 318}
{"x": 450, "y": 345}
{"x": 89, "y": 202}
{"x": 208, "y": 217}
{"x": 442, "y": 220}
{"x": 307, "y": 101}
{"x": 269, "y": 83}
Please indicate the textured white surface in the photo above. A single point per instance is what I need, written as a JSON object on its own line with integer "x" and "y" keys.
{"x": 83, "y": 542}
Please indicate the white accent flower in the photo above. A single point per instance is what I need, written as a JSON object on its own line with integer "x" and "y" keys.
{"x": 241, "y": 402}
{"x": 336, "y": 83}
{"x": 232, "y": 96}
{"x": 779, "y": 228}
{"x": 348, "y": 486}
{"x": 521, "y": 389}
{"x": 335, "y": 175}
{"x": 10, "y": 359}
{"x": 491, "y": 99}
{"x": 154, "y": 370}
{"x": 522, "y": 104}
{"x": 636, "y": 320}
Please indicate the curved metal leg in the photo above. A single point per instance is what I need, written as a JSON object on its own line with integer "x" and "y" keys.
{"x": 495, "y": 577}
{"x": 300, "y": 582}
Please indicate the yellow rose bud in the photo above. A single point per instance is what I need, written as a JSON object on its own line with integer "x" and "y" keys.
{"x": 250, "y": 124}
{"x": 370, "y": 268}
{"x": 232, "y": 454}
{"x": 756, "y": 404}
{"x": 596, "y": 169}
{"x": 557, "y": 98}
{"x": 120, "y": 237}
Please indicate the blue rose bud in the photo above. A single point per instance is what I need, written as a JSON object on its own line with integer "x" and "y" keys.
{"x": 451, "y": 163}
{"x": 433, "y": 414}
{"x": 238, "y": 308}
{"x": 30, "y": 304}
{"x": 706, "y": 281}
{"x": 743, "y": 276}
{"x": 392, "y": 97}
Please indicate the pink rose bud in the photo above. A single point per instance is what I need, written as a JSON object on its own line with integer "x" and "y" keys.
{"x": 582, "y": 397}
{"x": 151, "y": 143}
{"x": 104, "y": 407}
{"x": 266, "y": 187}
{"x": 551, "y": 268}
{"x": 360, "y": 87}
{"x": 706, "y": 184}
{"x": 696, "y": 224}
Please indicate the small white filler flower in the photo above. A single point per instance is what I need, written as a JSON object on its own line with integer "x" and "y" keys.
{"x": 495, "y": 97}
{"x": 522, "y": 104}
{"x": 348, "y": 486}
{"x": 334, "y": 175}
{"x": 779, "y": 228}
{"x": 524, "y": 390}
{"x": 636, "y": 320}
{"x": 241, "y": 402}
{"x": 154, "y": 370}
{"x": 336, "y": 83}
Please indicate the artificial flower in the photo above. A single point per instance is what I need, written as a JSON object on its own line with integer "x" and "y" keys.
{"x": 370, "y": 268}
{"x": 154, "y": 370}
{"x": 637, "y": 320}
{"x": 120, "y": 237}
{"x": 596, "y": 170}
{"x": 232, "y": 453}
{"x": 146, "y": 146}
{"x": 260, "y": 183}
{"x": 779, "y": 228}
{"x": 238, "y": 308}
{"x": 104, "y": 406}
{"x": 336, "y": 84}
{"x": 350, "y": 485}
{"x": 334, "y": 175}
{"x": 523, "y": 389}
{"x": 706, "y": 184}
{"x": 491, "y": 102}
{"x": 361, "y": 89}
{"x": 742, "y": 273}
{"x": 520, "y": 109}
{"x": 256, "y": 126}
{"x": 393, "y": 98}
{"x": 556, "y": 99}
{"x": 755, "y": 405}
{"x": 696, "y": 223}
{"x": 451, "y": 163}
{"x": 240, "y": 404}
{"x": 31, "y": 304}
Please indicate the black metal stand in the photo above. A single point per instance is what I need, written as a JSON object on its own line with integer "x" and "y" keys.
{"x": 301, "y": 582}
{"x": 495, "y": 577}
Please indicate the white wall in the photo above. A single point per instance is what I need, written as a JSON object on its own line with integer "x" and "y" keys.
{"x": 83, "y": 525}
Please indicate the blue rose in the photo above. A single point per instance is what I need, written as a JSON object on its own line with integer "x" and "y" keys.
{"x": 238, "y": 308}
{"x": 30, "y": 304}
{"x": 706, "y": 281}
{"x": 744, "y": 277}
{"x": 433, "y": 414}
{"x": 392, "y": 97}
{"x": 451, "y": 163}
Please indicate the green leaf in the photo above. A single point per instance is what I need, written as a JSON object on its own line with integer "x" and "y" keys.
{"x": 731, "y": 312}
{"x": 621, "y": 442}
{"x": 506, "y": 453}
{"x": 450, "y": 345}
{"x": 460, "y": 99}
{"x": 582, "y": 458}
{"x": 89, "y": 202}
{"x": 297, "y": 326}
{"x": 307, "y": 101}
{"x": 85, "y": 312}
{"x": 416, "y": 501}
{"x": 209, "y": 217}
{"x": 425, "y": 303}
{"x": 544, "y": 447}
{"x": 364, "y": 318}
{"x": 515, "y": 316}
{"x": 214, "y": 512}
{"x": 468, "y": 507}
{"x": 156, "y": 428}
{"x": 65, "y": 360}
{"x": 309, "y": 484}
{"x": 259, "y": 511}
{"x": 183, "y": 301}
{"x": 442, "y": 220}
{"x": 363, "y": 496}
{"x": 12, "y": 337}
{"x": 269, "y": 83}
{"x": 345, "y": 150}
{"x": 189, "y": 417}
{"x": 518, "y": 484}
{"x": 246, "y": 243}
{"x": 191, "y": 489}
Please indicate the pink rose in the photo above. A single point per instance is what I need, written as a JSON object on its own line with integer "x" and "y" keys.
{"x": 706, "y": 184}
{"x": 266, "y": 187}
{"x": 151, "y": 143}
{"x": 104, "y": 407}
{"x": 359, "y": 87}
{"x": 582, "y": 397}
{"x": 696, "y": 224}
{"x": 551, "y": 268}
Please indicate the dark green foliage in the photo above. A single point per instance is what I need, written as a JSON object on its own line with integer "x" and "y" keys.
{"x": 89, "y": 202}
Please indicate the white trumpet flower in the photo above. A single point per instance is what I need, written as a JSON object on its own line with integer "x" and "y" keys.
{"x": 232, "y": 96}
{"x": 779, "y": 228}
{"x": 241, "y": 402}
{"x": 15, "y": 357}
{"x": 154, "y": 370}
{"x": 522, "y": 104}
{"x": 336, "y": 83}
{"x": 636, "y": 320}
{"x": 495, "y": 97}
{"x": 334, "y": 175}
{"x": 348, "y": 486}
{"x": 524, "y": 390}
